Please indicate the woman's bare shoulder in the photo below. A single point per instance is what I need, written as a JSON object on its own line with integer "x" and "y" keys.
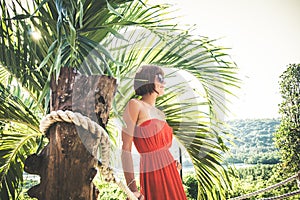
{"x": 133, "y": 105}
{"x": 134, "y": 102}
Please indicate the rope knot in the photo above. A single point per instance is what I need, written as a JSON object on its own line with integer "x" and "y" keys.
{"x": 97, "y": 131}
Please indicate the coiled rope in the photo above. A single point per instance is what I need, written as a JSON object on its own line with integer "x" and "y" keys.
{"x": 86, "y": 123}
{"x": 296, "y": 176}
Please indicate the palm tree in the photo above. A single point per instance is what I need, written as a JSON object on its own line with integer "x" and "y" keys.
{"x": 111, "y": 38}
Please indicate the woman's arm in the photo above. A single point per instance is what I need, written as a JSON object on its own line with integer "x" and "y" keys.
{"x": 130, "y": 117}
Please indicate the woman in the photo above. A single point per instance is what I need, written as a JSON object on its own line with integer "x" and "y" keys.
{"x": 152, "y": 136}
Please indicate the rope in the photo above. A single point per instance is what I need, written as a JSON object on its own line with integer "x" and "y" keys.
{"x": 296, "y": 176}
{"x": 283, "y": 196}
{"x": 86, "y": 123}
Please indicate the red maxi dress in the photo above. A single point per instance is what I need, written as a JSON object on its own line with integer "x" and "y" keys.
{"x": 159, "y": 177}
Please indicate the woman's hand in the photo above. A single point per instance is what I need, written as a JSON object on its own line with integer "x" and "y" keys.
{"x": 138, "y": 195}
{"x": 178, "y": 165}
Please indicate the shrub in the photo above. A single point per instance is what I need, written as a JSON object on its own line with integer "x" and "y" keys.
{"x": 191, "y": 186}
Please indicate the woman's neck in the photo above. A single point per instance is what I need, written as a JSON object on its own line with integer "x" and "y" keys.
{"x": 149, "y": 99}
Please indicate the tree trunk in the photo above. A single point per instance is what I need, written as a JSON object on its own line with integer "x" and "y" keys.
{"x": 67, "y": 164}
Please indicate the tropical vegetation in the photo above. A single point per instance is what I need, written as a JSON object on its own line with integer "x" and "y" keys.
{"x": 288, "y": 134}
{"x": 110, "y": 38}
{"x": 257, "y": 177}
{"x": 254, "y": 141}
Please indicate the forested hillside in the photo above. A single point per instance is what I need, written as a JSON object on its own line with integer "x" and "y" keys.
{"x": 253, "y": 140}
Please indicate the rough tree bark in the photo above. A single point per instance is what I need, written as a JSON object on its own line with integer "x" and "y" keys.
{"x": 67, "y": 165}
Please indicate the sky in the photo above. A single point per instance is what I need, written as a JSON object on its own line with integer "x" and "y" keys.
{"x": 264, "y": 37}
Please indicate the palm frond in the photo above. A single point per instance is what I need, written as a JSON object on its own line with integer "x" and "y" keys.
{"x": 18, "y": 136}
{"x": 20, "y": 52}
{"x": 17, "y": 141}
{"x": 196, "y": 129}
{"x": 113, "y": 38}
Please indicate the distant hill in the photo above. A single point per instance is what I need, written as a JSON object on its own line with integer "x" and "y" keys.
{"x": 253, "y": 140}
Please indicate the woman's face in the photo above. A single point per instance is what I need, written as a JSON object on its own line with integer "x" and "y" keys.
{"x": 160, "y": 84}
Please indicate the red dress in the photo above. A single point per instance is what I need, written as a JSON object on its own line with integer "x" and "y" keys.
{"x": 159, "y": 177}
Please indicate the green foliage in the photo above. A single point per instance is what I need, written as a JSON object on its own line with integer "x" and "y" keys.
{"x": 246, "y": 180}
{"x": 253, "y": 141}
{"x": 18, "y": 137}
{"x": 107, "y": 190}
{"x": 112, "y": 191}
{"x": 251, "y": 179}
{"x": 191, "y": 186}
{"x": 288, "y": 134}
{"x": 70, "y": 30}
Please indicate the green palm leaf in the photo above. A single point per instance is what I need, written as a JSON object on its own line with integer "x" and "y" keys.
{"x": 196, "y": 130}
{"x": 112, "y": 38}
{"x": 18, "y": 137}
{"x": 15, "y": 147}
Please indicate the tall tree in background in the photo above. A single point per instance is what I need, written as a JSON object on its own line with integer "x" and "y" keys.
{"x": 69, "y": 31}
{"x": 288, "y": 135}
